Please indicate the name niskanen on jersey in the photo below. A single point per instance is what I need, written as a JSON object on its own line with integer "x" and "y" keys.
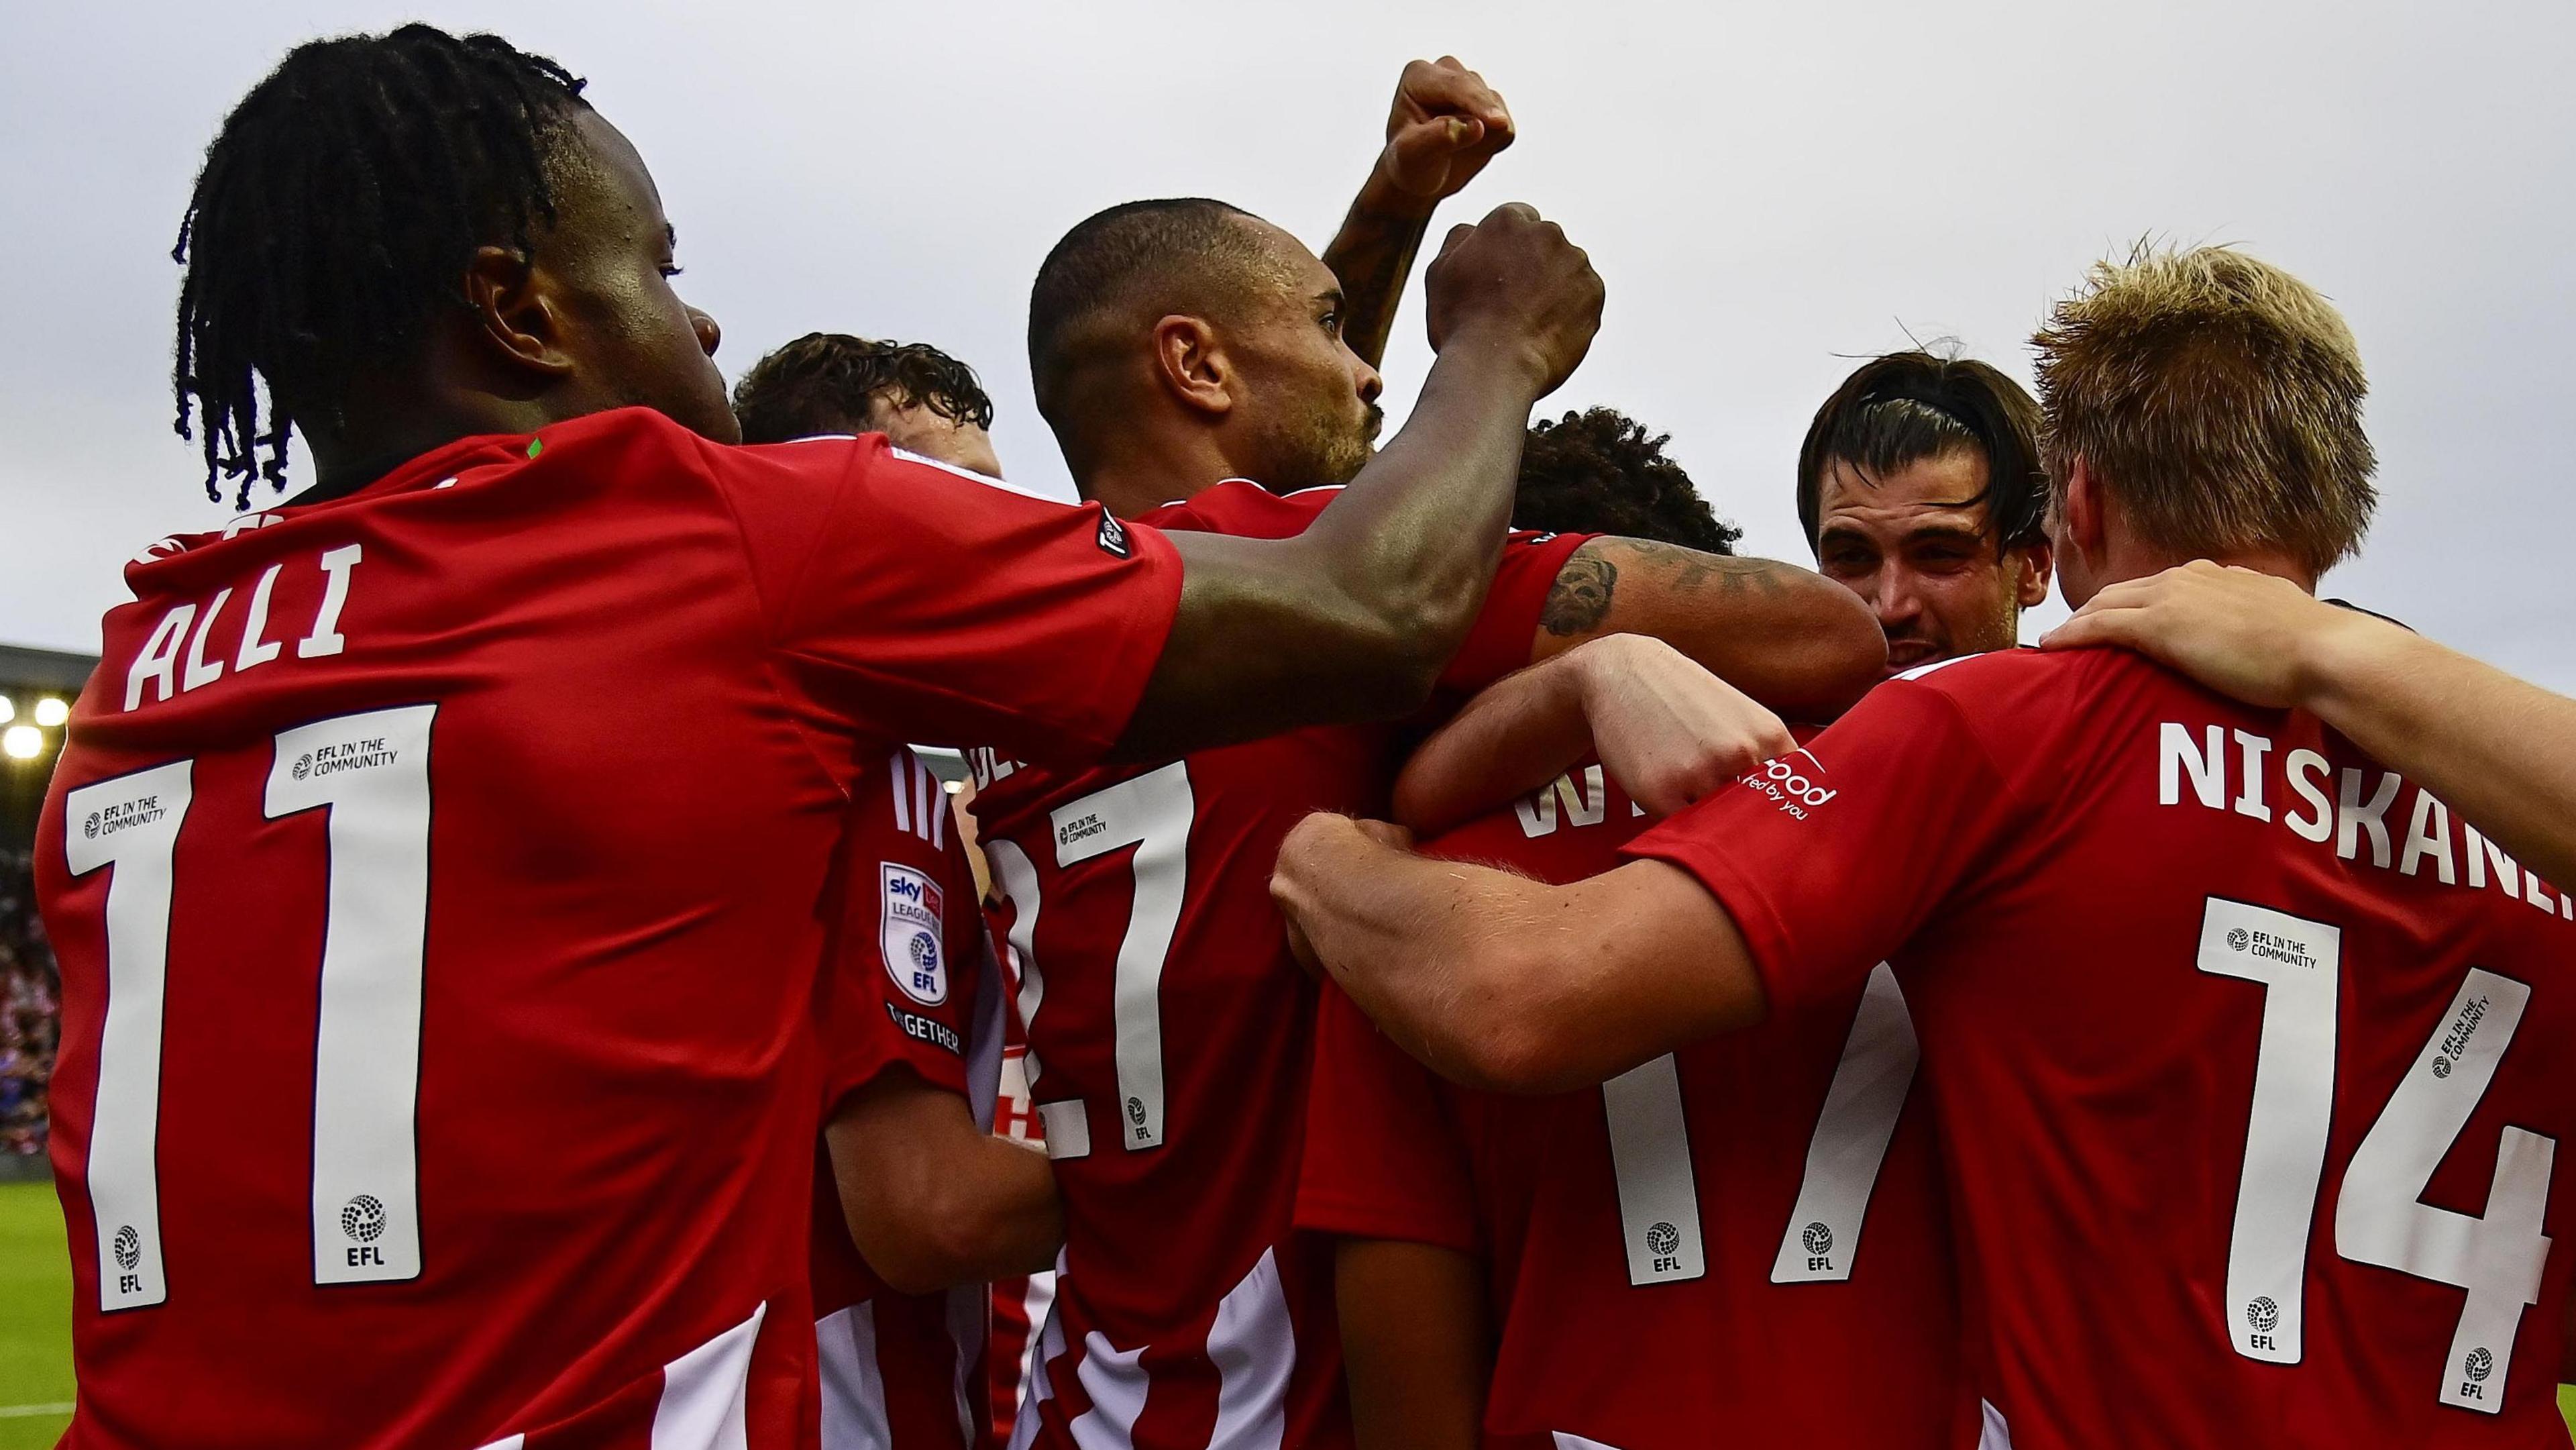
{"x": 2193, "y": 769}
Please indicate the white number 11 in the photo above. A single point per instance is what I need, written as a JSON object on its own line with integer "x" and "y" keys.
{"x": 371, "y": 771}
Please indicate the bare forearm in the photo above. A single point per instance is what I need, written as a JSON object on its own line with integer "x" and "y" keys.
{"x": 1011, "y": 1220}
{"x": 1353, "y": 619}
{"x": 1512, "y": 738}
{"x": 1415, "y": 1344}
{"x": 1499, "y": 982}
{"x": 1401, "y": 933}
{"x": 933, "y": 1201}
{"x": 1788, "y": 637}
{"x": 2498, "y": 750}
{"x": 1371, "y": 256}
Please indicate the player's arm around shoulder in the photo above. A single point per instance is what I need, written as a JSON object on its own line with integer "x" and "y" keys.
{"x": 1788, "y": 637}
{"x": 2499, "y": 750}
{"x": 1512, "y": 985}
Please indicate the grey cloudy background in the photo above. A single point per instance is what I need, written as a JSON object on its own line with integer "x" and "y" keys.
{"x": 1769, "y": 190}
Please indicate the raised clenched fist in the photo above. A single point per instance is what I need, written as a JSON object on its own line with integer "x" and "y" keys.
{"x": 1514, "y": 281}
{"x": 1445, "y": 125}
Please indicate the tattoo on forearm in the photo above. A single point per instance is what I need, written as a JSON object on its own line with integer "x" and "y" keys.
{"x": 1580, "y": 598}
{"x": 1690, "y": 569}
{"x": 1371, "y": 257}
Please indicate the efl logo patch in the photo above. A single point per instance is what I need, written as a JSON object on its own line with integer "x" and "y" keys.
{"x": 1113, "y": 537}
{"x": 909, "y": 932}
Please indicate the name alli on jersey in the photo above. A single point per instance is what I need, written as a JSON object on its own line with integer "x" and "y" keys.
{"x": 173, "y": 658}
{"x": 2194, "y": 765}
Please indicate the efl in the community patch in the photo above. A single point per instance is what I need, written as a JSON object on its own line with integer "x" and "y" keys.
{"x": 909, "y": 930}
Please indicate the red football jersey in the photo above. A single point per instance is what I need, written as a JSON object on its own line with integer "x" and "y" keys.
{"x": 1020, "y": 1303}
{"x": 910, "y": 988}
{"x": 2242, "y": 1048}
{"x": 1677, "y": 1258}
{"x": 1169, "y": 1046}
{"x": 441, "y": 874}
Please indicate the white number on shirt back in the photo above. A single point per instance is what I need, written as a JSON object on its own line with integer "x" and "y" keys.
{"x": 2380, "y": 1217}
{"x": 1151, "y": 812}
{"x": 371, "y": 772}
{"x": 1659, "y": 1192}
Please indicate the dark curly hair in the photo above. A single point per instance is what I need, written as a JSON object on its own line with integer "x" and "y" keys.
{"x": 338, "y": 209}
{"x": 1909, "y": 406}
{"x": 1599, "y": 472}
{"x": 823, "y": 382}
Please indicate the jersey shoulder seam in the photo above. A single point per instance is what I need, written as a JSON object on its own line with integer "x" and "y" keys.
{"x": 766, "y": 611}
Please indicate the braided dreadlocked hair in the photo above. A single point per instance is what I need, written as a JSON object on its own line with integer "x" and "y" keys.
{"x": 339, "y": 205}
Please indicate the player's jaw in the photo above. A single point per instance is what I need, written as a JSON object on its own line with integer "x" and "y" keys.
{"x": 1308, "y": 402}
{"x": 1314, "y": 447}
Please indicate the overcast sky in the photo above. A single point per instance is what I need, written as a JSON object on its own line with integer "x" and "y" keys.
{"x": 1768, "y": 190}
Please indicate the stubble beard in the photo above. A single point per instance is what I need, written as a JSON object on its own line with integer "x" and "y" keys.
{"x": 1321, "y": 452}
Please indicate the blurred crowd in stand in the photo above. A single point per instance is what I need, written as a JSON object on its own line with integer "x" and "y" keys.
{"x": 30, "y": 992}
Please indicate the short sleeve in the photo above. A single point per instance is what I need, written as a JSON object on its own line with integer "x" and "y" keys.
{"x": 1505, "y": 629}
{"x": 902, "y": 984}
{"x": 1383, "y": 1159}
{"x": 1831, "y": 858}
{"x": 1500, "y": 640}
{"x": 920, "y": 602}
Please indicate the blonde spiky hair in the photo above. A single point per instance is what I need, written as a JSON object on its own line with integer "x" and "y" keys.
{"x": 2218, "y": 398}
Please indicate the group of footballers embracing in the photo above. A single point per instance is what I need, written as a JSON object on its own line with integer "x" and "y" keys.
{"x": 519, "y": 990}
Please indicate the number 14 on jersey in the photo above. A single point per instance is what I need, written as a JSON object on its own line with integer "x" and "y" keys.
{"x": 2380, "y": 1216}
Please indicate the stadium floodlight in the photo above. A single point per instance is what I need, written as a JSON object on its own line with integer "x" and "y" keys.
{"x": 22, "y": 742}
{"x": 51, "y": 712}
{"x": 8, "y": 709}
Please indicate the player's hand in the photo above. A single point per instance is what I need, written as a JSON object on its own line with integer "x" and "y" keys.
{"x": 1666, "y": 729}
{"x": 2252, "y": 636}
{"x": 1514, "y": 281}
{"x": 1338, "y": 839}
{"x": 1446, "y": 124}
{"x": 1322, "y": 832}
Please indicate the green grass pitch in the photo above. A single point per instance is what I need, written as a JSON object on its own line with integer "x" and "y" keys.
{"x": 35, "y": 1319}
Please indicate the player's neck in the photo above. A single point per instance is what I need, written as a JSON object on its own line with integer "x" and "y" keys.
{"x": 375, "y": 441}
{"x": 1151, "y": 471}
{"x": 2139, "y": 563}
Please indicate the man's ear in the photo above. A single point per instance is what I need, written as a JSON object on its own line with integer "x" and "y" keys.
{"x": 2083, "y": 505}
{"x": 1190, "y": 364}
{"x": 518, "y": 323}
{"x": 2036, "y": 564}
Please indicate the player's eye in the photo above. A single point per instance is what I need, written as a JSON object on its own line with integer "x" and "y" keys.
{"x": 1332, "y": 322}
{"x": 672, "y": 269}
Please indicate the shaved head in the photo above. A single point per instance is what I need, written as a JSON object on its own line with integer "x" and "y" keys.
{"x": 1119, "y": 270}
{"x": 1183, "y": 341}
{"x": 1102, "y": 289}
